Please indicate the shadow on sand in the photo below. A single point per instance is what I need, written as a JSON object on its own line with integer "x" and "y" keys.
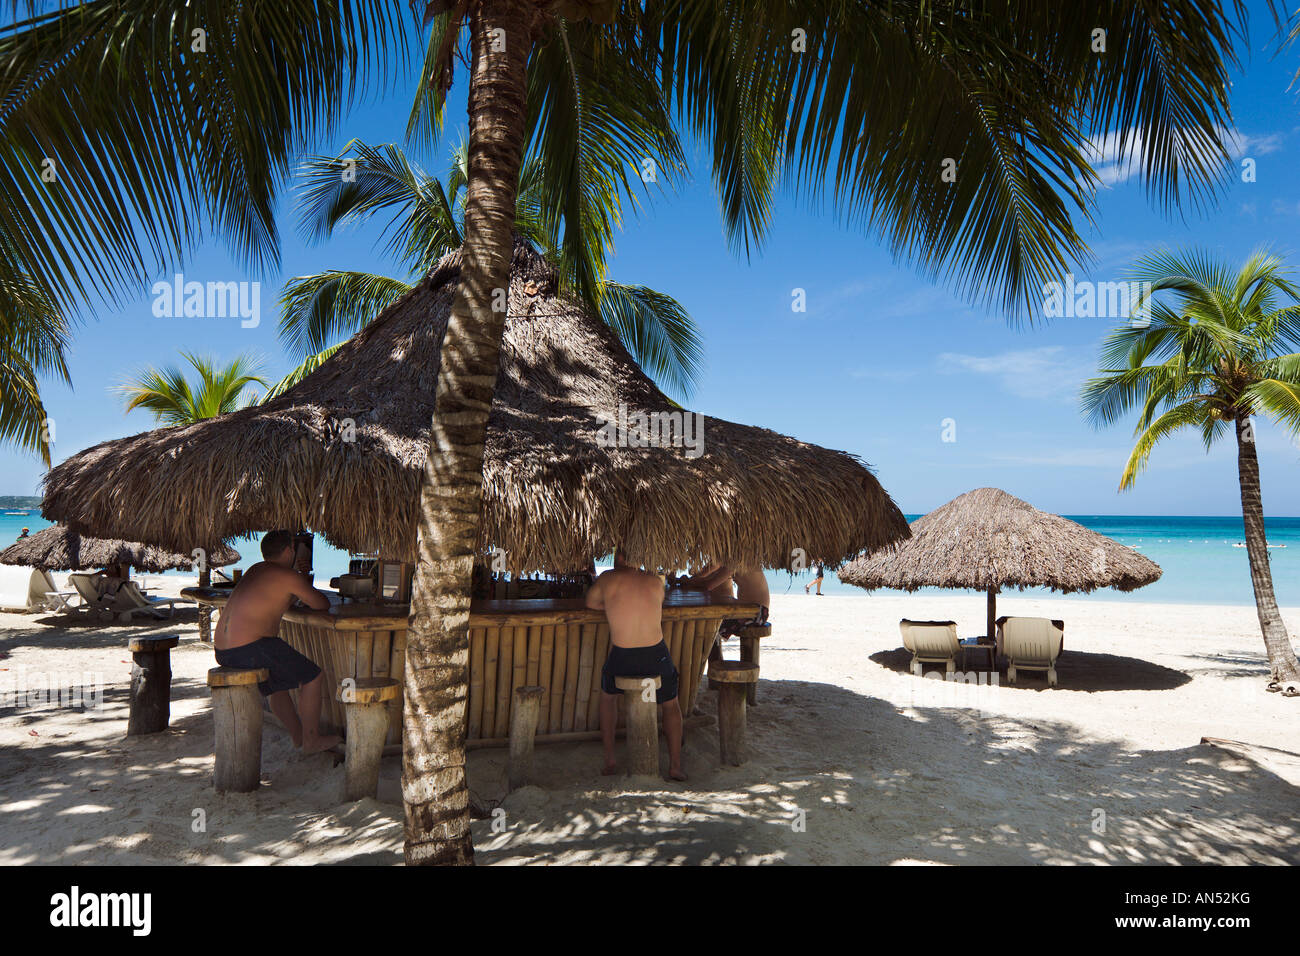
{"x": 1075, "y": 670}
{"x": 834, "y": 778}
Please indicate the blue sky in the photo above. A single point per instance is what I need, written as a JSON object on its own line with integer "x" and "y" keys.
{"x": 879, "y": 360}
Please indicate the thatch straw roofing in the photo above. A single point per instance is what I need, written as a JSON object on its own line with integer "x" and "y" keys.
{"x": 58, "y": 549}
{"x": 987, "y": 539}
{"x": 555, "y": 496}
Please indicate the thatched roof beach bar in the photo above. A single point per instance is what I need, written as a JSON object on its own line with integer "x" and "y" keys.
{"x": 59, "y": 549}
{"x": 342, "y": 453}
{"x": 987, "y": 540}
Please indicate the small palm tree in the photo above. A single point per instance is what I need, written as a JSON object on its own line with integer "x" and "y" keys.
{"x": 173, "y": 400}
{"x": 1214, "y": 355}
{"x": 319, "y": 309}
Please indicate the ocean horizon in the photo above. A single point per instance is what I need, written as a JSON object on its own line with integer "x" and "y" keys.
{"x": 1197, "y": 554}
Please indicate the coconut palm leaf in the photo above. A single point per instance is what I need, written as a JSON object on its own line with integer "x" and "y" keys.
{"x": 305, "y": 368}
{"x": 127, "y": 134}
{"x": 174, "y": 400}
{"x": 317, "y": 310}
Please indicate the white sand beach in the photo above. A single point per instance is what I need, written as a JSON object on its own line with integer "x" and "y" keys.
{"x": 854, "y": 760}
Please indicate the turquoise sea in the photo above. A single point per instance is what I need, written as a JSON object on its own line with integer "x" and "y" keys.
{"x": 1200, "y": 564}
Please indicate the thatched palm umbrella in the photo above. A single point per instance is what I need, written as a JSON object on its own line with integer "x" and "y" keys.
{"x": 986, "y": 540}
{"x": 59, "y": 549}
{"x": 342, "y": 453}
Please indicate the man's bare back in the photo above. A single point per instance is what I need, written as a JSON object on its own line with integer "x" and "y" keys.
{"x": 258, "y": 602}
{"x": 633, "y": 602}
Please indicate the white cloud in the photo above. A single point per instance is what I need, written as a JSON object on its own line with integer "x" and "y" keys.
{"x": 1048, "y": 372}
{"x": 1103, "y": 151}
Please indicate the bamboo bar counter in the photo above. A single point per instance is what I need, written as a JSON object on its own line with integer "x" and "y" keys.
{"x": 557, "y": 644}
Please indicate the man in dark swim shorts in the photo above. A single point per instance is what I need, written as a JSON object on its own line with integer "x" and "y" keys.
{"x": 254, "y": 610}
{"x": 633, "y": 601}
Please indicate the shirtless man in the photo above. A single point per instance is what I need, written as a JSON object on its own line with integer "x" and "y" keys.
{"x": 633, "y": 602}
{"x": 751, "y": 588}
{"x": 254, "y": 610}
{"x": 714, "y": 578}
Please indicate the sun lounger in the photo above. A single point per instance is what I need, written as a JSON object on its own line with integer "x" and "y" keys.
{"x": 931, "y": 642}
{"x": 131, "y": 601}
{"x": 93, "y": 599}
{"x": 1030, "y": 644}
{"x": 43, "y": 594}
{"x": 15, "y": 585}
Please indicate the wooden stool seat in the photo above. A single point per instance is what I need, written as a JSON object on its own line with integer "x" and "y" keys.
{"x": 642, "y": 724}
{"x": 152, "y": 645}
{"x": 733, "y": 672}
{"x": 734, "y": 680}
{"x": 755, "y": 630}
{"x": 236, "y": 676}
{"x": 365, "y": 709}
{"x": 151, "y": 684}
{"x": 237, "y": 720}
{"x": 636, "y": 684}
{"x": 368, "y": 690}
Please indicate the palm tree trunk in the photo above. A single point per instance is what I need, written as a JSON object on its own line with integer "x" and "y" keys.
{"x": 1281, "y": 656}
{"x": 437, "y": 651}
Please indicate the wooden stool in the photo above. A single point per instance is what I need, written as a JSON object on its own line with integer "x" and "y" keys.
{"x": 642, "y": 725}
{"x": 365, "y": 709}
{"x": 237, "y": 716}
{"x": 749, "y": 638}
{"x": 733, "y": 678}
{"x": 525, "y": 710}
{"x": 151, "y": 684}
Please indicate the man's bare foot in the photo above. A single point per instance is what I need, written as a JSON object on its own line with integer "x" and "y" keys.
{"x": 609, "y": 769}
{"x": 327, "y": 742}
{"x": 676, "y": 774}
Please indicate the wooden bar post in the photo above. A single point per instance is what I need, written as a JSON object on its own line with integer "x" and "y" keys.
{"x": 237, "y": 719}
{"x": 365, "y": 704}
{"x": 993, "y": 614}
{"x": 151, "y": 684}
{"x": 750, "y": 637}
{"x": 523, "y": 731}
{"x": 642, "y": 724}
{"x": 205, "y": 610}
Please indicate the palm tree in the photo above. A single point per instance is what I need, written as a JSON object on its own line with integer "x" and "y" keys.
{"x": 33, "y": 336}
{"x": 174, "y": 400}
{"x": 1216, "y": 354}
{"x": 955, "y": 130}
{"x": 318, "y": 309}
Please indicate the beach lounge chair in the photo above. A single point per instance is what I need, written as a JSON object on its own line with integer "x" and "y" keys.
{"x": 1030, "y": 644}
{"x": 93, "y": 600}
{"x": 42, "y": 594}
{"x": 15, "y": 585}
{"x": 931, "y": 642}
{"x": 131, "y": 601}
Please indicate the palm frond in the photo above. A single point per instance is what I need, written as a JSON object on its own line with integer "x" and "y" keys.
{"x": 159, "y": 120}
{"x": 305, "y": 368}
{"x": 316, "y": 310}
{"x": 658, "y": 332}
{"x": 1176, "y": 418}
